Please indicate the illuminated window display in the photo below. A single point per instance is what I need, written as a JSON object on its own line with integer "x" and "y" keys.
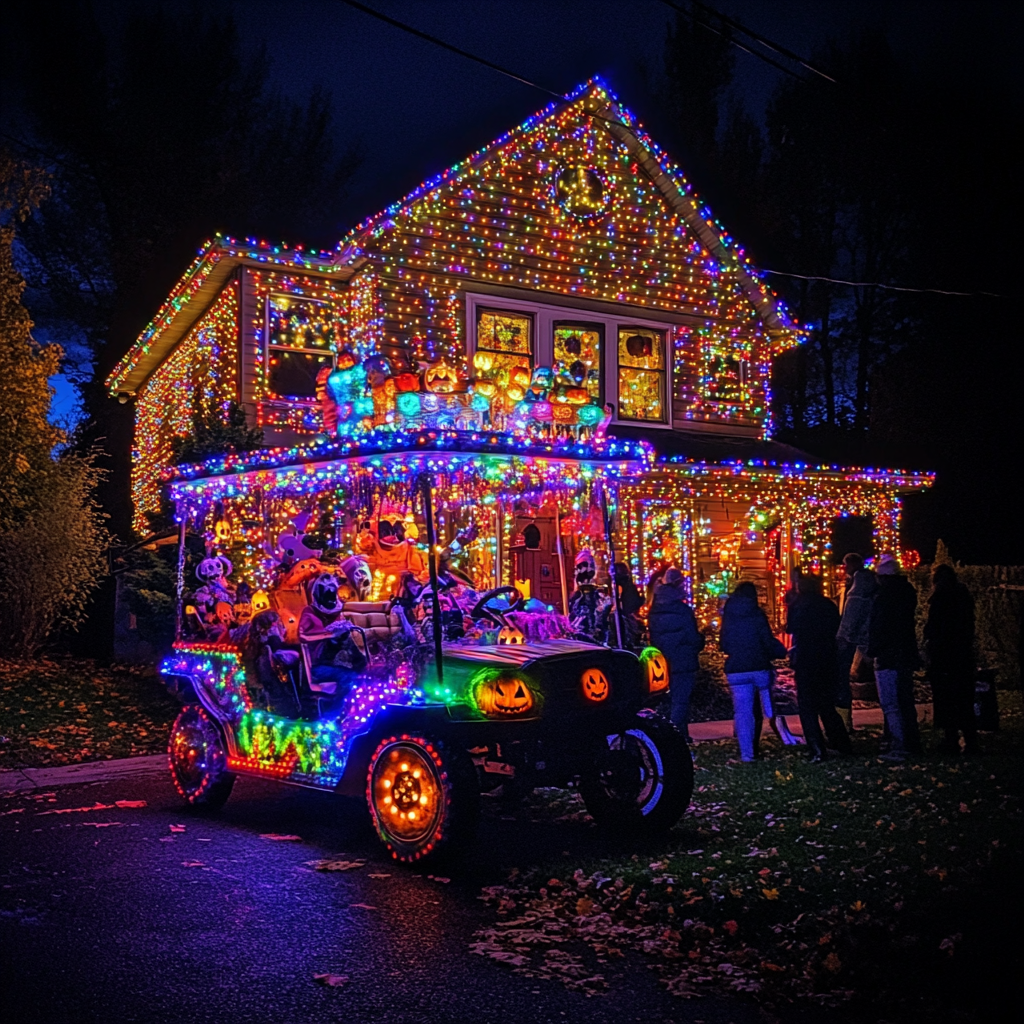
{"x": 642, "y": 375}
{"x": 577, "y": 362}
{"x": 504, "y": 353}
{"x": 302, "y": 336}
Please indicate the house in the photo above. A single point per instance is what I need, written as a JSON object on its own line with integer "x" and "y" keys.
{"x": 565, "y": 280}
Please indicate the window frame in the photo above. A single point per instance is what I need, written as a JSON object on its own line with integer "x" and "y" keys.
{"x": 602, "y": 350}
{"x": 666, "y": 359}
{"x": 268, "y": 346}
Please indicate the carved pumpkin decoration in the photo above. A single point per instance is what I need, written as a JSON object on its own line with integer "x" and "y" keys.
{"x": 564, "y": 414}
{"x": 345, "y": 360}
{"x": 503, "y": 696}
{"x": 260, "y": 602}
{"x": 441, "y": 378}
{"x": 407, "y": 381}
{"x": 595, "y": 685}
{"x": 657, "y": 669}
{"x": 485, "y": 387}
{"x": 483, "y": 361}
{"x": 510, "y": 635}
{"x": 222, "y": 531}
{"x": 521, "y": 377}
{"x": 577, "y": 396}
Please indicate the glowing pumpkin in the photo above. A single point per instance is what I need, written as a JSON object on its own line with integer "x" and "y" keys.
{"x": 504, "y": 696}
{"x": 510, "y": 635}
{"x": 408, "y": 382}
{"x": 441, "y": 378}
{"x": 515, "y": 393}
{"x": 657, "y": 669}
{"x": 345, "y": 360}
{"x": 595, "y": 684}
{"x": 260, "y": 602}
{"x": 564, "y": 414}
{"x": 222, "y": 531}
{"x": 577, "y": 396}
{"x": 542, "y": 412}
{"x": 483, "y": 361}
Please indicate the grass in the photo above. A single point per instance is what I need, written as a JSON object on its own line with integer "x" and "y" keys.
{"x": 62, "y": 712}
{"x": 883, "y": 891}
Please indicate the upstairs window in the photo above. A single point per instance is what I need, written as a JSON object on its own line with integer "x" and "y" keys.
{"x": 302, "y": 335}
{"x": 641, "y": 375}
{"x": 577, "y": 362}
{"x": 504, "y": 351}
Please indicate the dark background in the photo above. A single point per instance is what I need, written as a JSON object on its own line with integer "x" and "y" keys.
{"x": 195, "y": 135}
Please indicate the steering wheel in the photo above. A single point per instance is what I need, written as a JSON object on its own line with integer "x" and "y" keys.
{"x": 482, "y": 608}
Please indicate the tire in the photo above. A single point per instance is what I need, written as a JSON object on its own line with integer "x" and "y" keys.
{"x": 642, "y": 780}
{"x": 438, "y": 799}
{"x": 198, "y": 759}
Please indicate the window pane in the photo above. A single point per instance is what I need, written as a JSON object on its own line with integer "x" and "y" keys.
{"x": 293, "y": 374}
{"x": 504, "y": 332}
{"x": 641, "y": 374}
{"x": 578, "y": 357}
{"x": 296, "y": 322}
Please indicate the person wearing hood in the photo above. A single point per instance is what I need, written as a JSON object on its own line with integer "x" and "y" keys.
{"x": 852, "y": 638}
{"x": 813, "y": 622}
{"x": 949, "y": 645}
{"x": 892, "y": 642}
{"x": 750, "y": 647}
{"x": 674, "y": 632}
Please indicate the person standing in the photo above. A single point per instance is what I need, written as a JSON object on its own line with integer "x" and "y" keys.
{"x": 750, "y": 646}
{"x": 630, "y": 602}
{"x": 674, "y": 632}
{"x": 861, "y": 587}
{"x": 892, "y": 642}
{"x": 813, "y": 622}
{"x": 949, "y": 645}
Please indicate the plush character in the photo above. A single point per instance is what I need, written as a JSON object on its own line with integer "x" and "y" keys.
{"x": 292, "y": 547}
{"x": 358, "y": 576}
{"x": 589, "y": 609}
{"x": 334, "y": 657}
{"x": 213, "y": 574}
{"x": 388, "y": 542}
{"x": 346, "y": 387}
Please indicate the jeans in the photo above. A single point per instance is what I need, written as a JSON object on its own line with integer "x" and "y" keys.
{"x": 746, "y": 688}
{"x": 896, "y": 695}
{"x": 844, "y": 662}
{"x": 679, "y": 695}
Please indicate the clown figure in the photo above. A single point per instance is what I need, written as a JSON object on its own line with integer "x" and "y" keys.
{"x": 589, "y": 609}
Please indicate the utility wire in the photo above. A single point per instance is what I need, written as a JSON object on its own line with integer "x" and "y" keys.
{"x": 728, "y": 37}
{"x": 776, "y": 47}
{"x": 876, "y": 284}
{"x": 448, "y": 46}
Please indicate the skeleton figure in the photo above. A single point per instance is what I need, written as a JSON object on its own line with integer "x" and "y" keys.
{"x": 589, "y": 609}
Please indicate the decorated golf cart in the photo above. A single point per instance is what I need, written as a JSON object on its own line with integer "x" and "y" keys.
{"x": 414, "y": 616}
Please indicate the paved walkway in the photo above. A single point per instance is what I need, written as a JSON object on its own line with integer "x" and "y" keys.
{"x": 21, "y": 779}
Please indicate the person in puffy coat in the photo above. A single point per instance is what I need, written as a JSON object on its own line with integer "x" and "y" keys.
{"x": 852, "y": 638}
{"x": 750, "y": 647}
{"x": 892, "y": 642}
{"x": 949, "y": 640}
{"x": 674, "y": 632}
{"x": 813, "y": 623}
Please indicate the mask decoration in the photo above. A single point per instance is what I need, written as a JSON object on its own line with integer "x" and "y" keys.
{"x": 323, "y": 594}
{"x": 510, "y": 635}
{"x": 502, "y": 695}
{"x": 657, "y": 669}
{"x": 585, "y": 568}
{"x": 356, "y": 571}
{"x": 595, "y": 685}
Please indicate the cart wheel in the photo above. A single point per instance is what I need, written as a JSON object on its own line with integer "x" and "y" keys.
{"x": 198, "y": 760}
{"x": 642, "y": 780}
{"x": 423, "y": 796}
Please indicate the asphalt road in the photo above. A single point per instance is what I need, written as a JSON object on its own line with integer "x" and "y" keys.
{"x": 120, "y": 915}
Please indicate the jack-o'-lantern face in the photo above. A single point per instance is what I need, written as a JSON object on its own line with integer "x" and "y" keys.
{"x": 510, "y": 635}
{"x": 441, "y": 378}
{"x": 345, "y": 360}
{"x": 483, "y": 361}
{"x": 503, "y": 696}
{"x": 657, "y": 669}
{"x": 222, "y": 531}
{"x": 595, "y": 684}
{"x": 260, "y": 602}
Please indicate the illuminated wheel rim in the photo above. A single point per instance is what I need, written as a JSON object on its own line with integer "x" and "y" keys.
{"x": 197, "y": 756}
{"x": 407, "y": 792}
{"x": 646, "y": 770}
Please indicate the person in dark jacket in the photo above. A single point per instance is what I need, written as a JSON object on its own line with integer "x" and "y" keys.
{"x": 674, "y": 632}
{"x": 892, "y": 642}
{"x": 813, "y": 622}
{"x": 749, "y": 646}
{"x": 630, "y": 602}
{"x": 949, "y": 644}
{"x": 859, "y": 591}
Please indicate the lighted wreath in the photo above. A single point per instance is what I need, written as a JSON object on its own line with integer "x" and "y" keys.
{"x": 580, "y": 191}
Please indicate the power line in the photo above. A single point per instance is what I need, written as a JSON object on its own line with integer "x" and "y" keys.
{"x": 448, "y": 46}
{"x": 728, "y": 37}
{"x": 876, "y": 284}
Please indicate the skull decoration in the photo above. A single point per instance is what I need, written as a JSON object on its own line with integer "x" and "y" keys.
{"x": 323, "y": 594}
{"x": 357, "y": 573}
{"x": 585, "y": 568}
{"x": 595, "y": 684}
{"x": 210, "y": 570}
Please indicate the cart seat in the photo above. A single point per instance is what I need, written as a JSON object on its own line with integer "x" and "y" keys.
{"x": 373, "y": 617}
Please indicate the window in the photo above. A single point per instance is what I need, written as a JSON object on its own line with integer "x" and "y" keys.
{"x": 504, "y": 353}
{"x": 577, "y": 362}
{"x": 641, "y": 377}
{"x": 301, "y": 340}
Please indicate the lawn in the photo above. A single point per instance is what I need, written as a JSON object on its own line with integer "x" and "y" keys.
{"x": 62, "y": 712}
{"x": 884, "y": 892}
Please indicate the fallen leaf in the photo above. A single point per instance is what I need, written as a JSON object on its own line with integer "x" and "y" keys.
{"x": 439, "y": 878}
{"x": 362, "y": 906}
{"x": 731, "y": 927}
{"x": 192, "y": 864}
{"x": 584, "y": 906}
{"x": 857, "y": 907}
{"x": 129, "y": 803}
{"x": 964, "y": 809}
{"x": 770, "y": 894}
{"x": 832, "y": 964}
{"x": 277, "y": 837}
{"x": 332, "y": 865}
{"x": 377, "y": 874}
{"x": 331, "y": 980}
